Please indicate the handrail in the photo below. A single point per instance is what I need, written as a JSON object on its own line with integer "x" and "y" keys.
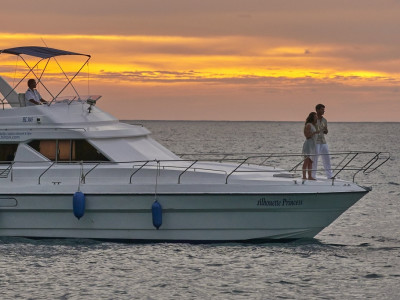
{"x": 12, "y": 171}
{"x": 71, "y": 100}
{"x": 44, "y": 129}
{"x": 130, "y": 179}
{"x": 54, "y": 162}
{"x": 4, "y": 170}
{"x": 337, "y": 167}
{"x": 349, "y": 164}
{"x": 368, "y": 172}
{"x": 370, "y": 163}
{"x": 83, "y": 180}
{"x": 7, "y": 170}
{"x": 334, "y": 176}
{"x": 295, "y": 167}
{"x": 226, "y": 179}
{"x": 194, "y": 169}
{"x": 179, "y": 177}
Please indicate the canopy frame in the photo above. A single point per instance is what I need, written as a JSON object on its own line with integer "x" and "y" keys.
{"x": 43, "y": 53}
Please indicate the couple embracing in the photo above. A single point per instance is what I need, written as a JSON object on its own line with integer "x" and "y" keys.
{"x": 315, "y": 145}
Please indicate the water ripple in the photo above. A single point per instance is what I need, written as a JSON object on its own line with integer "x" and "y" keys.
{"x": 357, "y": 257}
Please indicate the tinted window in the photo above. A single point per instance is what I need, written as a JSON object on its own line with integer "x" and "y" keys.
{"x": 67, "y": 150}
{"x": 7, "y": 152}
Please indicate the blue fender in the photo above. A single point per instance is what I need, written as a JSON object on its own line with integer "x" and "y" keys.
{"x": 79, "y": 204}
{"x": 156, "y": 210}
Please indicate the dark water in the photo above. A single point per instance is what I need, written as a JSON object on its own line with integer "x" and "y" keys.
{"x": 357, "y": 257}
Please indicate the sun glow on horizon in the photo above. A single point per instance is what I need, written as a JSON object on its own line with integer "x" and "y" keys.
{"x": 163, "y": 59}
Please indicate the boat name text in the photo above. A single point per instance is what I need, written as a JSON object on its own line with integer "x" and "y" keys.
{"x": 27, "y": 119}
{"x": 283, "y": 202}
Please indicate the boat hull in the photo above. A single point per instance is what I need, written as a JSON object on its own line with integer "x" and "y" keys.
{"x": 188, "y": 217}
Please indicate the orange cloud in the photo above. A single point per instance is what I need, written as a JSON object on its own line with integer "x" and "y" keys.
{"x": 174, "y": 58}
{"x": 253, "y": 65}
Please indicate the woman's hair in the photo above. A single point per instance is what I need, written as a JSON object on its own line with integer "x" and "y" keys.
{"x": 310, "y": 118}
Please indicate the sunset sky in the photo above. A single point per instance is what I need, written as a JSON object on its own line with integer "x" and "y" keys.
{"x": 221, "y": 59}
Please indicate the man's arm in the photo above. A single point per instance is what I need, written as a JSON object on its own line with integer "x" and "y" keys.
{"x": 35, "y": 95}
{"x": 34, "y": 101}
{"x": 30, "y": 97}
{"x": 326, "y": 127}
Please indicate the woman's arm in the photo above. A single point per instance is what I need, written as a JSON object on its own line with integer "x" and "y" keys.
{"x": 307, "y": 131}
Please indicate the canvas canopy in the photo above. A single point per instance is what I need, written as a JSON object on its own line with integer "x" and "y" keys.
{"x": 42, "y": 52}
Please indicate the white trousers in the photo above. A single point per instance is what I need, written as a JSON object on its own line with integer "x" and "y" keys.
{"x": 323, "y": 151}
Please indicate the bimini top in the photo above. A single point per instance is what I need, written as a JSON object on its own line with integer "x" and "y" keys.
{"x": 42, "y": 52}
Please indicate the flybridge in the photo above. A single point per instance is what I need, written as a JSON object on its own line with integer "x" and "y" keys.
{"x": 42, "y": 53}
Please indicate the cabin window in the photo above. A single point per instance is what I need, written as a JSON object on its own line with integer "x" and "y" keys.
{"x": 7, "y": 152}
{"x": 86, "y": 152}
{"x": 67, "y": 150}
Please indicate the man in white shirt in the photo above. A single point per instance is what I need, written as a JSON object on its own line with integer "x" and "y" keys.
{"x": 321, "y": 147}
{"x": 32, "y": 96}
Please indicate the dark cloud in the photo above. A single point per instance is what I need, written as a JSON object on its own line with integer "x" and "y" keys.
{"x": 340, "y": 21}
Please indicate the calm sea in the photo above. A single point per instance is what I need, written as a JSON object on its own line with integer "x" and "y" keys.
{"x": 357, "y": 257}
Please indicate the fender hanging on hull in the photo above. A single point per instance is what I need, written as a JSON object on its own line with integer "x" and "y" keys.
{"x": 156, "y": 210}
{"x": 79, "y": 204}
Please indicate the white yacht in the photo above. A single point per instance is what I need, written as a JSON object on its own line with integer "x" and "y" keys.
{"x": 71, "y": 170}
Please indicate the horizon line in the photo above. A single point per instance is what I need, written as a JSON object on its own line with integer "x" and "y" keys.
{"x": 157, "y": 120}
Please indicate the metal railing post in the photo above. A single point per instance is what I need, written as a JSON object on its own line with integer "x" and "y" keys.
{"x": 179, "y": 177}
{"x": 226, "y": 180}
{"x": 130, "y": 179}
{"x": 45, "y": 171}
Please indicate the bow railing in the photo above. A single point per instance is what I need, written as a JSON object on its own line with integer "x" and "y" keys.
{"x": 226, "y": 164}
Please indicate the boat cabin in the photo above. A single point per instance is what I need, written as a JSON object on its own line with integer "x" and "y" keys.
{"x": 67, "y": 128}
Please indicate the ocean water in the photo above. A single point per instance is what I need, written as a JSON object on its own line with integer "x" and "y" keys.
{"x": 357, "y": 257}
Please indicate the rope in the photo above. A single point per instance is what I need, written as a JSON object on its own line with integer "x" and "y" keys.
{"x": 15, "y": 70}
{"x": 158, "y": 172}
{"x": 80, "y": 177}
{"x": 88, "y": 78}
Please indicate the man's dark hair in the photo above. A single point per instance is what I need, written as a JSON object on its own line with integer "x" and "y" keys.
{"x": 319, "y": 106}
{"x": 30, "y": 81}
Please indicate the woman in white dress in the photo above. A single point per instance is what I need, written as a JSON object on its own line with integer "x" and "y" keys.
{"x": 310, "y": 133}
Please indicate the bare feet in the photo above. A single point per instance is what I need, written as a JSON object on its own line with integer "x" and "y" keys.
{"x": 310, "y": 178}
